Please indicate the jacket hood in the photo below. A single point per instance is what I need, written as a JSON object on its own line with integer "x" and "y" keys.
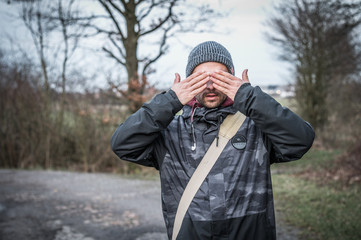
{"x": 196, "y": 109}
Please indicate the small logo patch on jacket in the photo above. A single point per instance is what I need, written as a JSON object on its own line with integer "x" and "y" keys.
{"x": 239, "y": 142}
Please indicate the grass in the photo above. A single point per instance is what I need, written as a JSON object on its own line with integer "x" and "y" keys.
{"x": 321, "y": 211}
{"x": 312, "y": 160}
{"x": 288, "y": 102}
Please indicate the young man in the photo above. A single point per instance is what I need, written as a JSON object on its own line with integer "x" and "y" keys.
{"x": 235, "y": 200}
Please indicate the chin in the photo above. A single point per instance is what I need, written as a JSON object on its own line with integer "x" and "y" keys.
{"x": 211, "y": 104}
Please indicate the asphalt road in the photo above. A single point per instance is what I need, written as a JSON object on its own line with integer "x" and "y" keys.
{"x": 49, "y": 205}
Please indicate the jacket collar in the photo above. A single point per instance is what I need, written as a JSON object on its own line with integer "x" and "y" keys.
{"x": 194, "y": 109}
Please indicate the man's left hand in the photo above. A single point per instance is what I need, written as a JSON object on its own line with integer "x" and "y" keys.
{"x": 227, "y": 83}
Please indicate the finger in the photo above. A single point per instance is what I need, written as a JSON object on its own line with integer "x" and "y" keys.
{"x": 220, "y": 83}
{"x": 222, "y": 80}
{"x": 200, "y": 78}
{"x": 193, "y": 76}
{"x": 199, "y": 89}
{"x": 200, "y": 83}
{"x": 217, "y": 85}
{"x": 177, "y": 78}
{"x": 245, "y": 75}
{"x": 224, "y": 76}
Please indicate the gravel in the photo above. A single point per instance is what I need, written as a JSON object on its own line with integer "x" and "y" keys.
{"x": 55, "y": 205}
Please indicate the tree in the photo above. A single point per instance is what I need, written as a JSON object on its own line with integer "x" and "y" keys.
{"x": 40, "y": 28}
{"x": 23, "y": 141}
{"x": 318, "y": 37}
{"x": 136, "y": 23}
{"x": 31, "y": 103}
{"x": 71, "y": 31}
{"x": 46, "y": 20}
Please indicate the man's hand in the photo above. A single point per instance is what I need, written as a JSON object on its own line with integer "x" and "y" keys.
{"x": 227, "y": 83}
{"x": 187, "y": 89}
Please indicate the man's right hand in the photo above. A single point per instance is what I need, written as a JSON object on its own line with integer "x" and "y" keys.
{"x": 187, "y": 89}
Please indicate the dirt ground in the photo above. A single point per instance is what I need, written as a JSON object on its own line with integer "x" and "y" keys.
{"x": 49, "y": 205}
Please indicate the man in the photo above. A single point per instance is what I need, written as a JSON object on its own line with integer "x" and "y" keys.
{"x": 235, "y": 200}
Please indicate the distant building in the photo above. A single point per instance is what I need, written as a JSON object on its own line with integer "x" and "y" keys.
{"x": 283, "y": 91}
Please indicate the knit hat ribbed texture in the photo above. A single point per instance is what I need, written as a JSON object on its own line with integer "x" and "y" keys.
{"x": 209, "y": 51}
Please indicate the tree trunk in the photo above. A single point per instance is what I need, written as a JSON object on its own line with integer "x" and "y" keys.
{"x": 131, "y": 45}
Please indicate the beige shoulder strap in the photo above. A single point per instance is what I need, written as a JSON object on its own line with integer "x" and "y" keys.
{"x": 228, "y": 129}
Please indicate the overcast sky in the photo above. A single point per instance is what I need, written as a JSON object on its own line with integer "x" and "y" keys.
{"x": 244, "y": 27}
{"x": 245, "y": 40}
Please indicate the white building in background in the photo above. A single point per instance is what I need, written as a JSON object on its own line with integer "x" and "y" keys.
{"x": 283, "y": 91}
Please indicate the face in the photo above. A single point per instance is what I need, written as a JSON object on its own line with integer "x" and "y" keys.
{"x": 210, "y": 97}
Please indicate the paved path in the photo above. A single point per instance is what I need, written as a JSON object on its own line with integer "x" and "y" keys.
{"x": 48, "y": 205}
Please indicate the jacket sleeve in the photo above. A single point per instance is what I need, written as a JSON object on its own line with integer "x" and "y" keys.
{"x": 287, "y": 136}
{"x": 135, "y": 139}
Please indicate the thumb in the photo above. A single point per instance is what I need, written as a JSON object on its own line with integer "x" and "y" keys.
{"x": 177, "y": 78}
{"x": 245, "y": 75}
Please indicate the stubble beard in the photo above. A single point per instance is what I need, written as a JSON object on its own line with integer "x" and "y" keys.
{"x": 211, "y": 103}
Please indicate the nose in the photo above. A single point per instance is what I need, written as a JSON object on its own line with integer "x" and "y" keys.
{"x": 210, "y": 84}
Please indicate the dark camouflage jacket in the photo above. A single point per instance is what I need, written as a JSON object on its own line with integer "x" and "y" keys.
{"x": 235, "y": 201}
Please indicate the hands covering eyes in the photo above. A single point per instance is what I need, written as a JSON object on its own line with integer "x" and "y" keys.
{"x": 222, "y": 81}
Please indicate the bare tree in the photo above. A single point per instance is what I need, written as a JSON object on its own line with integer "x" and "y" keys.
{"x": 31, "y": 105}
{"x": 139, "y": 22}
{"x": 40, "y": 27}
{"x": 46, "y": 20}
{"x": 67, "y": 15}
{"x": 33, "y": 15}
{"x": 318, "y": 38}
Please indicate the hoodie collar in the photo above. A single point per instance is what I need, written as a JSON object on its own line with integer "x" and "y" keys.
{"x": 195, "y": 109}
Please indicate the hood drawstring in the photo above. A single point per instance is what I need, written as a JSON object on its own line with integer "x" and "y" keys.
{"x": 219, "y": 128}
{"x": 195, "y": 104}
{"x": 194, "y": 145}
{"x": 193, "y": 137}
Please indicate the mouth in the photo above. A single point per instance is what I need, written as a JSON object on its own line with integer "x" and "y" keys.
{"x": 211, "y": 96}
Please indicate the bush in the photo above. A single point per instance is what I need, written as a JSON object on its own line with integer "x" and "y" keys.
{"x": 31, "y": 136}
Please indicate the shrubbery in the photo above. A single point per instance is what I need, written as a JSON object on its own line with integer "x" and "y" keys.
{"x": 31, "y": 136}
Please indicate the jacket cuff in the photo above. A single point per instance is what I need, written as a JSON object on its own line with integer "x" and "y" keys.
{"x": 173, "y": 99}
{"x": 242, "y": 96}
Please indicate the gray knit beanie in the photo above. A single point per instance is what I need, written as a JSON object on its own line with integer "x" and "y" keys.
{"x": 209, "y": 51}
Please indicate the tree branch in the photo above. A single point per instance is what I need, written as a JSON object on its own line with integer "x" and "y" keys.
{"x": 161, "y": 22}
{"x": 162, "y": 49}
{"x": 107, "y": 9}
{"x": 113, "y": 56}
{"x": 117, "y": 46}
